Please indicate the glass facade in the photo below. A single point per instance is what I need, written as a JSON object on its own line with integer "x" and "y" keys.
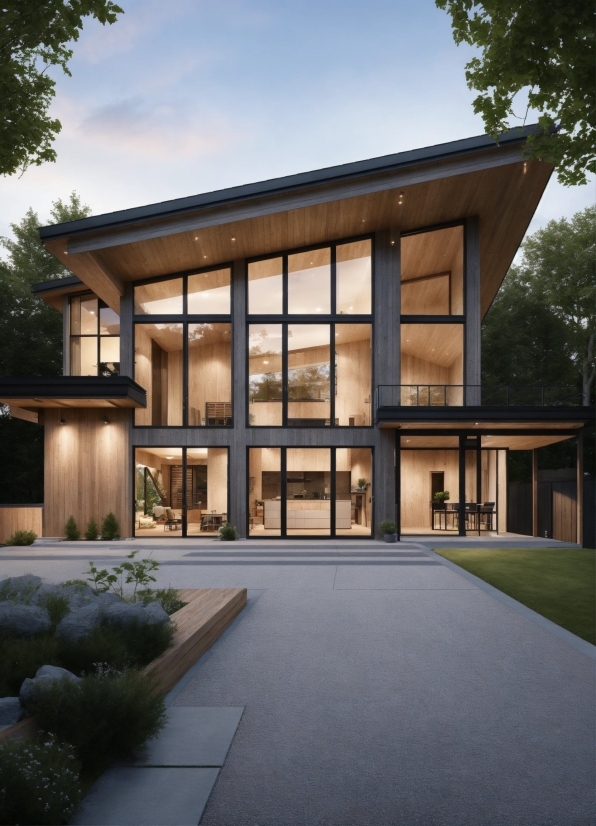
{"x": 94, "y": 338}
{"x": 321, "y": 491}
{"x": 184, "y": 358}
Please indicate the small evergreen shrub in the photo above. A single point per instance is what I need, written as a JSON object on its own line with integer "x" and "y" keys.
{"x": 22, "y": 538}
{"x": 71, "y": 530}
{"x": 228, "y": 533}
{"x": 92, "y": 531}
{"x": 104, "y": 716}
{"x": 39, "y": 781}
{"x": 388, "y": 527}
{"x": 110, "y": 527}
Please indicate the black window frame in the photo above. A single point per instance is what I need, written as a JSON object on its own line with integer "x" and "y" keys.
{"x": 98, "y": 335}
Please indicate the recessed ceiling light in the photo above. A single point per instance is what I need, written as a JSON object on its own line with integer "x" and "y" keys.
{"x": 265, "y": 362}
{"x": 169, "y": 457}
{"x": 196, "y": 237}
{"x": 204, "y": 256}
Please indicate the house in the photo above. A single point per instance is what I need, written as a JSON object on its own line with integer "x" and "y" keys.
{"x": 299, "y": 356}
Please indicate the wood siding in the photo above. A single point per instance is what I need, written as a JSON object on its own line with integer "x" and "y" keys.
{"x": 20, "y": 518}
{"x": 87, "y": 468}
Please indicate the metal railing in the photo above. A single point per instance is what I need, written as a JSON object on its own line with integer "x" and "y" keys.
{"x": 489, "y": 395}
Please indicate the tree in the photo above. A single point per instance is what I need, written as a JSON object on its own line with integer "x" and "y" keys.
{"x": 30, "y": 344}
{"x": 544, "y": 47}
{"x": 33, "y": 37}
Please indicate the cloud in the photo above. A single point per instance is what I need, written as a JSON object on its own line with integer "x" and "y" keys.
{"x": 163, "y": 129}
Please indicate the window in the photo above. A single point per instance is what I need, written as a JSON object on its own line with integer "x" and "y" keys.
{"x": 432, "y": 267}
{"x": 184, "y": 359}
{"x": 321, "y": 491}
{"x": 94, "y": 338}
{"x": 315, "y": 370}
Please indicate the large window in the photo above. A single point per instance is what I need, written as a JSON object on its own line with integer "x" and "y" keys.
{"x": 183, "y": 354}
{"x": 310, "y": 491}
{"x": 94, "y": 338}
{"x": 310, "y": 366}
{"x": 180, "y": 491}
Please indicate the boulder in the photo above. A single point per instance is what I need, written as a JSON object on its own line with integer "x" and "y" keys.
{"x": 19, "y": 587}
{"x": 11, "y": 711}
{"x": 155, "y": 614}
{"x": 76, "y": 595}
{"x": 23, "y": 620}
{"x": 78, "y": 624}
{"x": 108, "y": 598}
{"x": 124, "y": 614}
{"x": 45, "y": 675}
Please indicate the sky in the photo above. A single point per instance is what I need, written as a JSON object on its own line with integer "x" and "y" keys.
{"x": 180, "y": 97}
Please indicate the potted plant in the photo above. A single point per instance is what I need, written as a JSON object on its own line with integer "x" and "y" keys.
{"x": 441, "y": 496}
{"x": 361, "y": 483}
{"x": 389, "y": 530}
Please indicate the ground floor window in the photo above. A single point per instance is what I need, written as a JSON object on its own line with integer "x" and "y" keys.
{"x": 435, "y": 474}
{"x": 321, "y": 491}
{"x": 180, "y": 491}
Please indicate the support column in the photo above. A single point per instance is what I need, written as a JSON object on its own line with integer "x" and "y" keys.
{"x": 472, "y": 364}
{"x": 398, "y": 483}
{"x": 238, "y": 492}
{"x": 462, "y": 486}
{"x": 535, "y": 493}
{"x": 127, "y": 339}
{"x": 580, "y": 488}
{"x": 386, "y": 359}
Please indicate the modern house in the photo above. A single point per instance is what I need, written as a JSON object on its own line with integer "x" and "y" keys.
{"x": 299, "y": 356}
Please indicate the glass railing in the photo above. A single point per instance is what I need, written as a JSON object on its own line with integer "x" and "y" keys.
{"x": 490, "y": 395}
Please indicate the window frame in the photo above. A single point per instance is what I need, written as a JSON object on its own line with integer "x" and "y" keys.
{"x": 98, "y": 335}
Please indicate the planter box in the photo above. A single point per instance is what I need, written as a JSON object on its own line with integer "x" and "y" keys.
{"x": 199, "y": 624}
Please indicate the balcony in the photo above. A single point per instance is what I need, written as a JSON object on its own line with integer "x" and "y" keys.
{"x": 443, "y": 402}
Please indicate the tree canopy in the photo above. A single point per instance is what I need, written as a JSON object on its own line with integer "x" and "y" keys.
{"x": 33, "y": 37}
{"x": 547, "y": 49}
{"x": 545, "y": 311}
{"x": 30, "y": 344}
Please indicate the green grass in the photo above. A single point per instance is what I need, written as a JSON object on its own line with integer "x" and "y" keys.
{"x": 559, "y": 583}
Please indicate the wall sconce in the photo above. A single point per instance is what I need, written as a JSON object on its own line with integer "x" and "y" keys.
{"x": 62, "y": 420}
{"x": 105, "y": 418}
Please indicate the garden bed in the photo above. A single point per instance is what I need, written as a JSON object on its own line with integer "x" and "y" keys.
{"x": 208, "y": 612}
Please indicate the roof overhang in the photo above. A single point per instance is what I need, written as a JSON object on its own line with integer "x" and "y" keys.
{"x": 71, "y": 392}
{"x": 440, "y": 184}
{"x": 54, "y": 291}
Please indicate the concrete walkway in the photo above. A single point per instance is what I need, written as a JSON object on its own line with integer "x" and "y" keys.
{"x": 380, "y": 687}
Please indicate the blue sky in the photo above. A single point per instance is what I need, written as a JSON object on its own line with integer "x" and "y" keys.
{"x": 186, "y": 96}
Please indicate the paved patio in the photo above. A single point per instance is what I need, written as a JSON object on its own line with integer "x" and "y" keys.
{"x": 380, "y": 686}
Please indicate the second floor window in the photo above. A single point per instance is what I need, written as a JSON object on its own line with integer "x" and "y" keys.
{"x": 94, "y": 338}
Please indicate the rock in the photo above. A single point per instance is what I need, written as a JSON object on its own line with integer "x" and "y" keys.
{"x": 155, "y": 614}
{"x": 76, "y": 596}
{"x": 124, "y": 614}
{"x": 19, "y": 587}
{"x": 78, "y": 624}
{"x": 109, "y": 598}
{"x": 11, "y": 711}
{"x": 23, "y": 620}
{"x": 45, "y": 675}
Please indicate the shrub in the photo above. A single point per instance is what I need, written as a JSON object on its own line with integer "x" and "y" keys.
{"x": 56, "y": 605}
{"x": 388, "y": 527}
{"x": 133, "y": 646}
{"x": 22, "y": 538}
{"x": 92, "y": 530}
{"x": 127, "y": 573}
{"x": 104, "y": 716}
{"x": 21, "y": 657}
{"x": 168, "y": 598}
{"x": 39, "y": 781}
{"x": 71, "y": 530}
{"x": 228, "y": 533}
{"x": 110, "y": 528}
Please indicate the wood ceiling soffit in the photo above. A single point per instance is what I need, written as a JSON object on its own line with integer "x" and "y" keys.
{"x": 311, "y": 196}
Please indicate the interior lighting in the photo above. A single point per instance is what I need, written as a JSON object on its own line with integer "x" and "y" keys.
{"x": 204, "y": 256}
{"x": 265, "y": 362}
{"x": 169, "y": 457}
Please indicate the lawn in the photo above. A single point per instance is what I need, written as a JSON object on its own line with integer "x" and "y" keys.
{"x": 559, "y": 583}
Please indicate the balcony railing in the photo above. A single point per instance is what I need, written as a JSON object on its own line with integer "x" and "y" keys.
{"x": 489, "y": 395}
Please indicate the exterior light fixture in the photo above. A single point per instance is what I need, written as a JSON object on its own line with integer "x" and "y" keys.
{"x": 233, "y": 239}
{"x": 265, "y": 362}
{"x": 204, "y": 256}
{"x": 105, "y": 419}
{"x": 62, "y": 420}
{"x": 401, "y": 198}
{"x": 525, "y": 167}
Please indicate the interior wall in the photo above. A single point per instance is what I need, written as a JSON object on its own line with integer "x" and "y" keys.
{"x": 173, "y": 400}
{"x": 86, "y": 468}
{"x": 416, "y": 467}
{"x": 143, "y": 373}
{"x": 209, "y": 378}
{"x": 353, "y": 382}
{"x": 217, "y": 479}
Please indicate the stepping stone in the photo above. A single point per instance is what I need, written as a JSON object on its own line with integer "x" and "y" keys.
{"x": 129, "y": 796}
{"x": 197, "y": 737}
